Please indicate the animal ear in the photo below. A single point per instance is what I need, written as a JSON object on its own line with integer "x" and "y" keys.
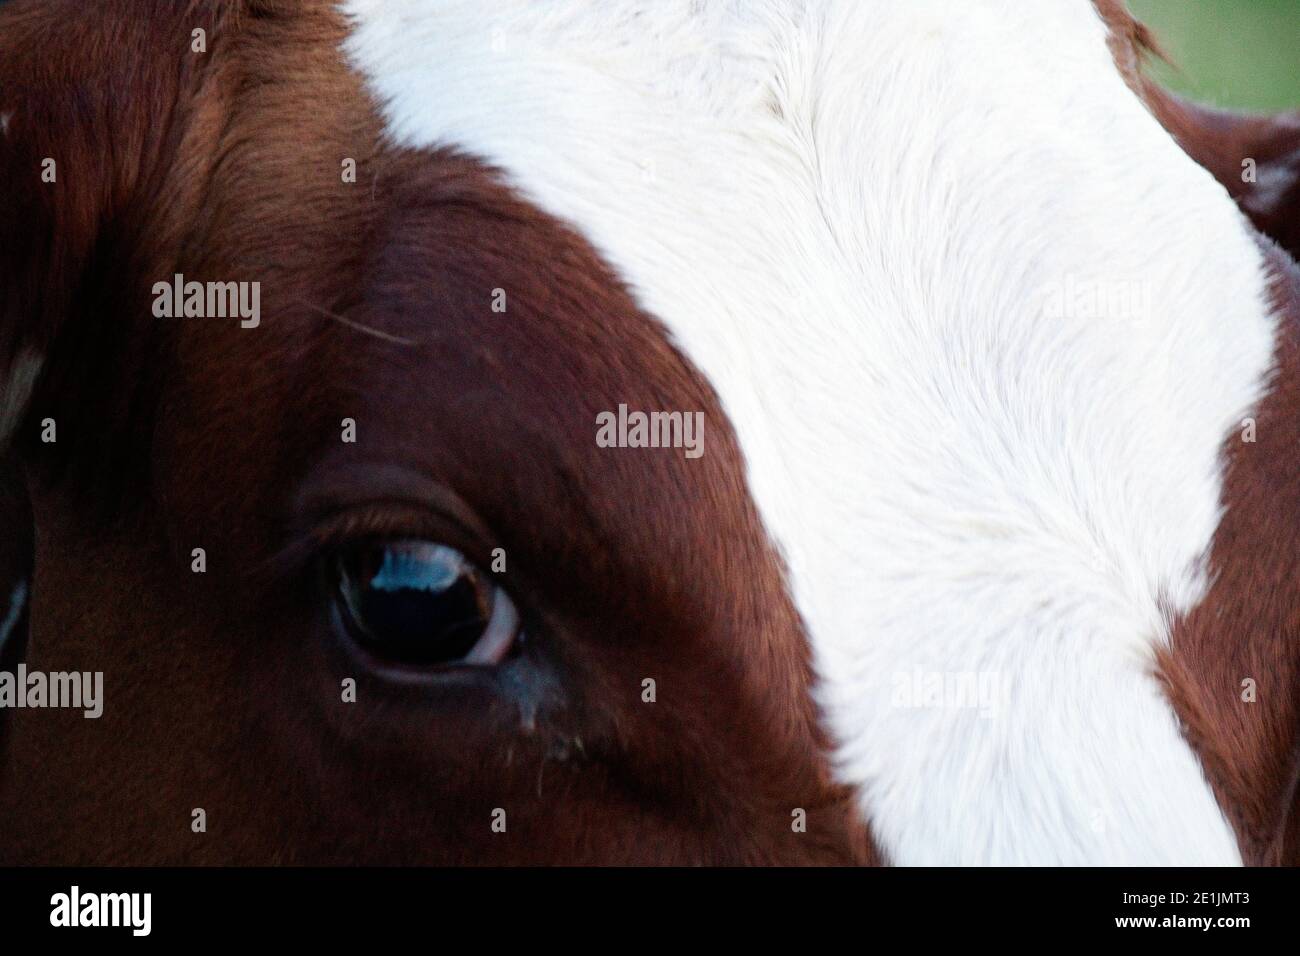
{"x": 1255, "y": 156}
{"x": 89, "y": 102}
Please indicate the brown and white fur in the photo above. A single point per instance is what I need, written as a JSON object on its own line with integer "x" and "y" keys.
{"x": 974, "y": 329}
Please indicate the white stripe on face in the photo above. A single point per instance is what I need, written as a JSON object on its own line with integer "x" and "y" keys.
{"x": 980, "y": 327}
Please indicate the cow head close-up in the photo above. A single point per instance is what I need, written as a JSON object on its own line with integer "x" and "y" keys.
{"x": 621, "y": 432}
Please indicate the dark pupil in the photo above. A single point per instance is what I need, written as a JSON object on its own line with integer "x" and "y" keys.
{"x": 418, "y": 603}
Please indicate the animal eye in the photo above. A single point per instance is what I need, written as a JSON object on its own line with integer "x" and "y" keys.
{"x": 421, "y": 603}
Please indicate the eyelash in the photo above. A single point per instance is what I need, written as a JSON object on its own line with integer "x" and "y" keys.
{"x": 325, "y": 534}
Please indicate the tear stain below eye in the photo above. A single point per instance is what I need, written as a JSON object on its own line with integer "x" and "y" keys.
{"x": 530, "y": 683}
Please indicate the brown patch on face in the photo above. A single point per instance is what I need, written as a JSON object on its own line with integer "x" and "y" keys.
{"x": 1248, "y": 625}
{"x": 222, "y": 689}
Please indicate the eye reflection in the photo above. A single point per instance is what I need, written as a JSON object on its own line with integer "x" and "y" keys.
{"x": 422, "y": 603}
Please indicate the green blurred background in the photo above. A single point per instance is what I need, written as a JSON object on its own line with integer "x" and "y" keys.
{"x": 1238, "y": 53}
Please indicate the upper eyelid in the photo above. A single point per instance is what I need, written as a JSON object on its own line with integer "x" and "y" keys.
{"x": 394, "y": 520}
{"x": 359, "y": 503}
{"x": 373, "y": 521}
{"x": 358, "y": 485}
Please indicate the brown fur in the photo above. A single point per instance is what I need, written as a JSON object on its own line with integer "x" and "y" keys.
{"x": 223, "y": 689}
{"x": 1248, "y": 625}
